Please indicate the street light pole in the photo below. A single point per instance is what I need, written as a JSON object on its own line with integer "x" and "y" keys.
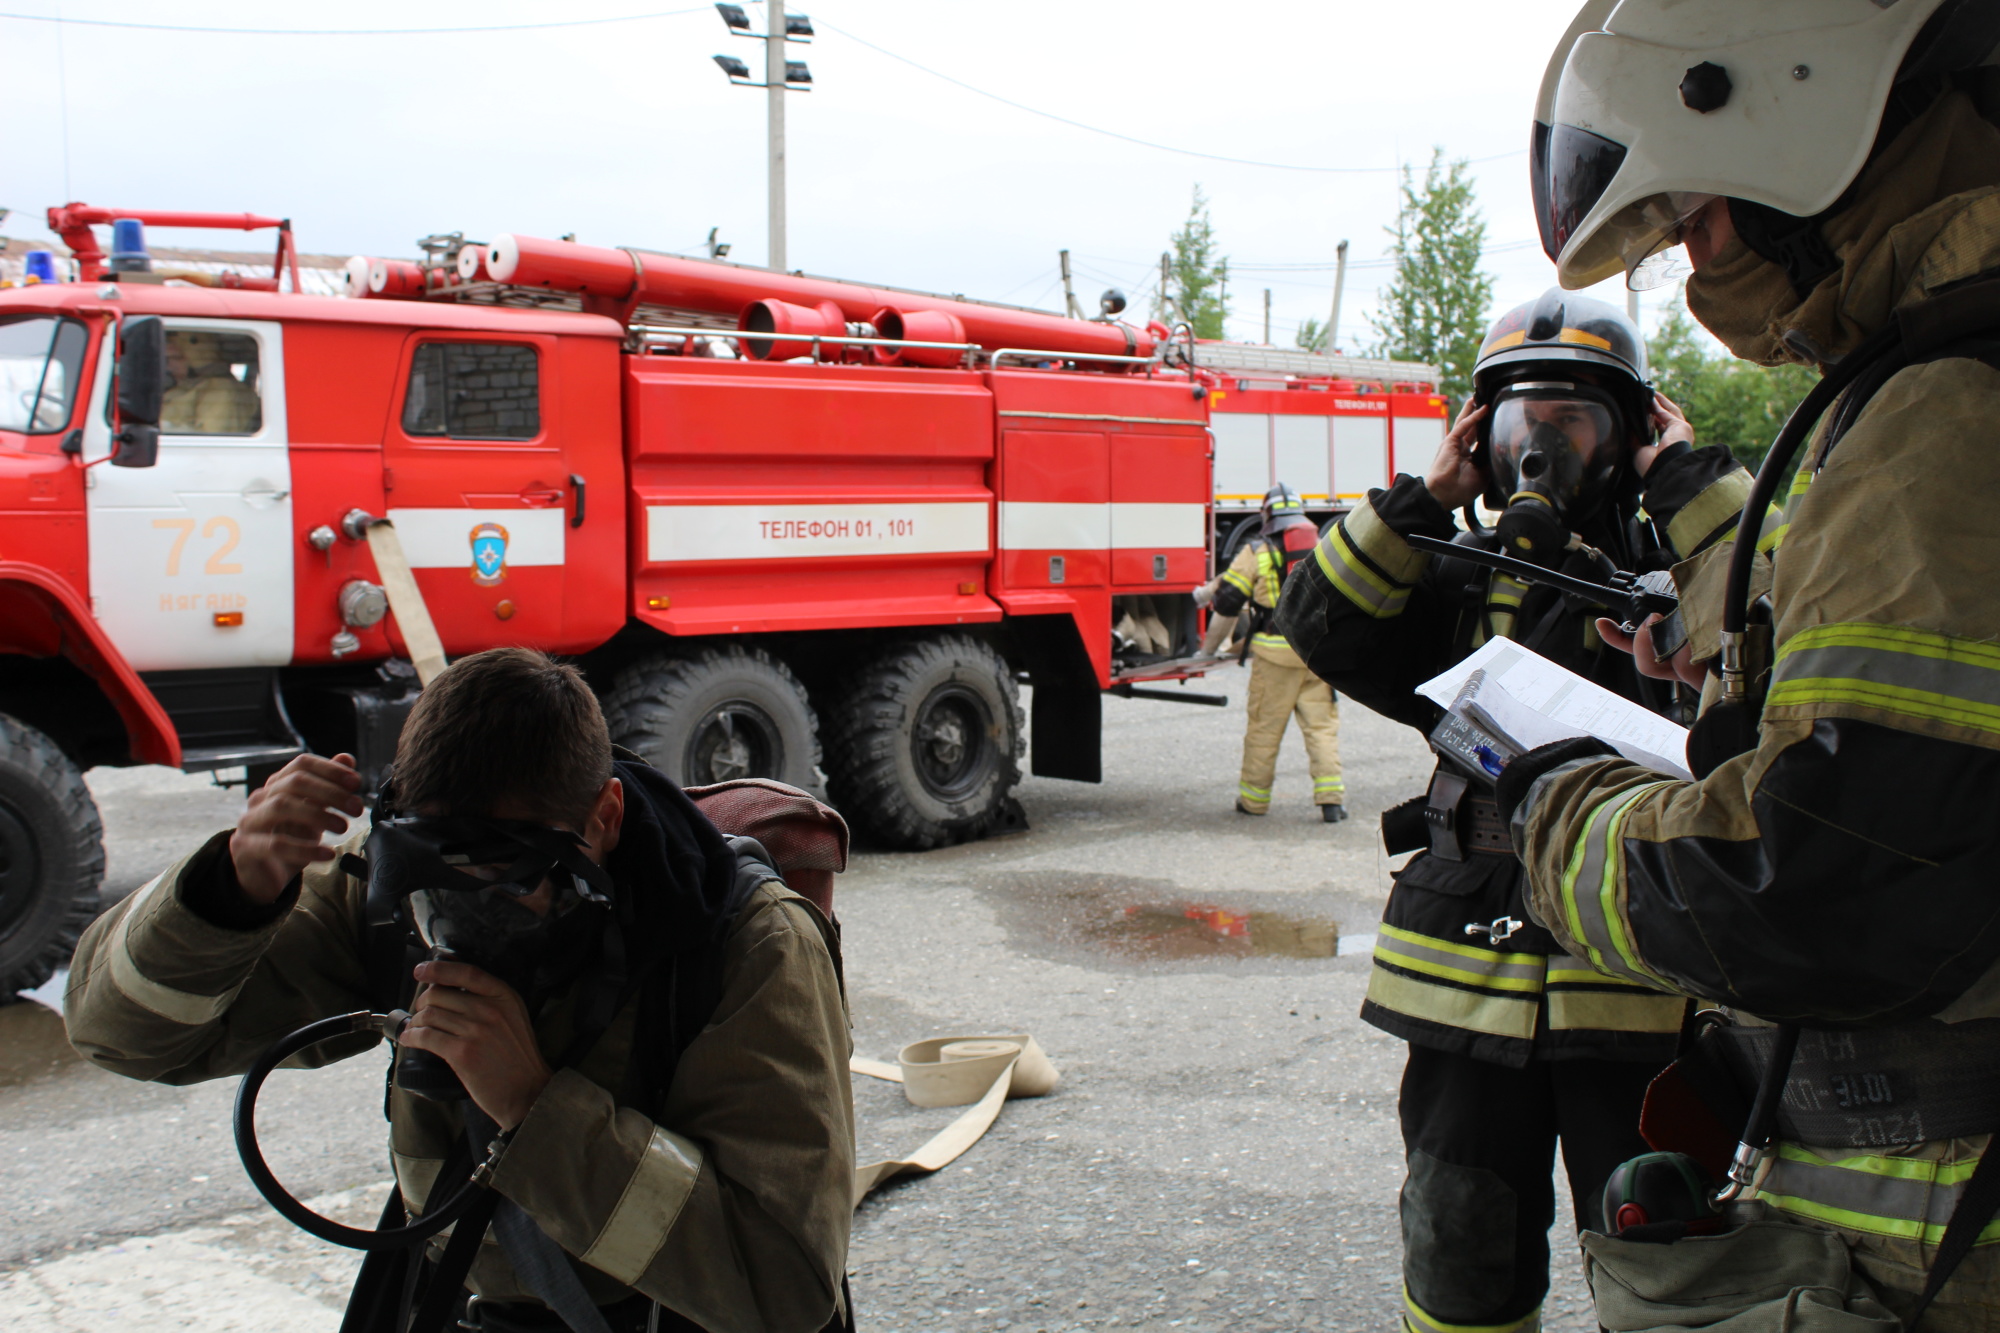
{"x": 774, "y": 85}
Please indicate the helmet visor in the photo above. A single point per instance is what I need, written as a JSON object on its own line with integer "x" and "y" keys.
{"x": 1572, "y": 168}
{"x": 1556, "y": 438}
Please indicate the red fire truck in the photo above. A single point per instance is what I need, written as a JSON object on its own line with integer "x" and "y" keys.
{"x": 1330, "y": 427}
{"x": 786, "y": 525}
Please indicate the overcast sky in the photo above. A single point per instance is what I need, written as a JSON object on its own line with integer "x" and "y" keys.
{"x": 627, "y": 134}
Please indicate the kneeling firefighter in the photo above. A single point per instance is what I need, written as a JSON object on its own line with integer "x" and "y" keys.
{"x": 623, "y": 1079}
{"x": 1280, "y": 685}
{"x": 1514, "y": 1043}
{"x": 1833, "y": 171}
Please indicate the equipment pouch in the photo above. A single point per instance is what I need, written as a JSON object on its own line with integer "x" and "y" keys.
{"x": 1765, "y": 1276}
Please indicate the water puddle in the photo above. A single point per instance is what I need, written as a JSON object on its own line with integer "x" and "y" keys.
{"x": 33, "y": 1046}
{"x": 1150, "y": 920}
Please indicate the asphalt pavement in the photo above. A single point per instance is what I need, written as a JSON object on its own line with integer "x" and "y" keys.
{"x": 1221, "y": 1152}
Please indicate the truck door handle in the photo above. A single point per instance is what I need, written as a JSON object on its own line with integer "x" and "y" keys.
{"x": 576, "y": 519}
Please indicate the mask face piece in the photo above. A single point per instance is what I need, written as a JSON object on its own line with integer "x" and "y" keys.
{"x": 1554, "y": 448}
{"x": 467, "y": 883}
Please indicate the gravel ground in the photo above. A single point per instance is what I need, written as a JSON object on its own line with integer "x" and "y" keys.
{"x": 1221, "y": 1153}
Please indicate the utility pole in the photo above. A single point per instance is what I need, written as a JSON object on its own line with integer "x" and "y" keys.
{"x": 1632, "y": 306}
{"x": 1166, "y": 298}
{"x": 1339, "y": 283}
{"x": 774, "y": 93}
{"x": 780, "y": 77}
{"x": 1267, "y": 317}
{"x": 1069, "y": 295}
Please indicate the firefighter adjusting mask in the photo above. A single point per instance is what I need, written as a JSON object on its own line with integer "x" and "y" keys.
{"x": 472, "y": 889}
{"x": 1554, "y": 448}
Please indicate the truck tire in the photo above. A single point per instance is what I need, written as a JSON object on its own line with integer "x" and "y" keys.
{"x": 924, "y": 747}
{"x": 724, "y": 713}
{"x": 51, "y": 857}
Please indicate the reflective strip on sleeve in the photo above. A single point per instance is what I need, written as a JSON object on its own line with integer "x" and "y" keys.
{"x": 1909, "y": 672}
{"x": 1593, "y": 892}
{"x": 1463, "y": 963}
{"x": 1907, "y": 1197}
{"x": 653, "y": 1198}
{"x": 1347, "y": 570}
{"x": 1715, "y": 505}
{"x": 1237, "y": 581}
{"x": 1417, "y": 1320}
{"x": 176, "y": 1006}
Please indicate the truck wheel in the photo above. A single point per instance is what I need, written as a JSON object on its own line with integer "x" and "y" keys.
{"x": 924, "y": 749}
{"x": 51, "y": 857}
{"x": 726, "y": 713}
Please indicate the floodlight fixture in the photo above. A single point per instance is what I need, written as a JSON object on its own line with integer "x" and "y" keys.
{"x": 734, "y": 68}
{"x": 796, "y": 72}
{"x": 798, "y": 28}
{"x": 734, "y": 16}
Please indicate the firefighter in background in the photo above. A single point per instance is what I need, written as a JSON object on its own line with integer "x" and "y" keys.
{"x": 1838, "y": 873}
{"x": 205, "y": 397}
{"x": 1514, "y": 1046}
{"x": 1280, "y": 685}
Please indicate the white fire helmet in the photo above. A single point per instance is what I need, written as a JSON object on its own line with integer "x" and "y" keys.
{"x": 1649, "y": 109}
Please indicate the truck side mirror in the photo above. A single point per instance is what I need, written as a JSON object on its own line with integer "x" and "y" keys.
{"x": 142, "y": 370}
{"x": 138, "y": 446}
{"x": 142, "y": 389}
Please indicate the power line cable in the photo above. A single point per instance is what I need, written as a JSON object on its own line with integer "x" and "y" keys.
{"x": 1114, "y": 134}
{"x": 62, "y": 20}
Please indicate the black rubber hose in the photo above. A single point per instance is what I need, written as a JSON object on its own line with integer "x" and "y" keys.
{"x": 288, "y": 1206}
{"x": 1736, "y": 596}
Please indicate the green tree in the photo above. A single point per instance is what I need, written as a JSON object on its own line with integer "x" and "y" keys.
{"x": 1312, "y": 335}
{"x": 1434, "y": 309}
{"x": 1727, "y": 401}
{"x": 1197, "y": 275}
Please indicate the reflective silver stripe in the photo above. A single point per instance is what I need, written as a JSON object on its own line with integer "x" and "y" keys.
{"x": 1858, "y": 1197}
{"x": 1978, "y": 683}
{"x": 176, "y": 1006}
{"x": 653, "y": 1198}
{"x": 1584, "y": 888}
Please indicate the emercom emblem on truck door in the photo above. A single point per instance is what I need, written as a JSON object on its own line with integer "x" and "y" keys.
{"x": 191, "y": 559}
{"x": 489, "y": 554}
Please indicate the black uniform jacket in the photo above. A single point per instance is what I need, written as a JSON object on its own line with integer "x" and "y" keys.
{"x": 1375, "y": 618}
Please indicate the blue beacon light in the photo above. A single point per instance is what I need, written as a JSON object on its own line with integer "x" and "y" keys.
{"x": 40, "y": 266}
{"x": 128, "y": 247}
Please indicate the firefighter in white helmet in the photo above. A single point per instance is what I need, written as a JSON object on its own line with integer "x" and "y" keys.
{"x": 1832, "y": 169}
{"x": 1280, "y": 686}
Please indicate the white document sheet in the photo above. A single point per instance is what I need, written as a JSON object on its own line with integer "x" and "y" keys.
{"x": 1539, "y": 702}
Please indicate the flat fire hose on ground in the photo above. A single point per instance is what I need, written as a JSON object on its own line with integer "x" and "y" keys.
{"x": 978, "y": 1073}
{"x": 406, "y": 600}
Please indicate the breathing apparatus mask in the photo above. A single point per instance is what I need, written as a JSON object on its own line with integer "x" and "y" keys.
{"x": 1554, "y": 448}
{"x": 472, "y": 890}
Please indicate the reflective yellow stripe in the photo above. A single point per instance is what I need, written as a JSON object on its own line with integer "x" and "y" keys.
{"x": 1477, "y": 1011}
{"x": 1711, "y": 507}
{"x": 1602, "y": 1011}
{"x": 1329, "y": 784}
{"x": 1238, "y": 582}
{"x": 1417, "y": 1319}
{"x": 1473, "y": 966}
{"x": 1907, "y": 1197}
{"x": 1593, "y": 892}
{"x": 1888, "y": 668}
{"x": 1346, "y": 570}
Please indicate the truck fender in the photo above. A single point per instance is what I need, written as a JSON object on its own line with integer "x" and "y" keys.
{"x": 41, "y": 616}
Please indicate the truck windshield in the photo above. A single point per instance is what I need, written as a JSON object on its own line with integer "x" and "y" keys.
{"x": 41, "y": 358}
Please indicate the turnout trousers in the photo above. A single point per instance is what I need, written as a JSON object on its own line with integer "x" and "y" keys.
{"x": 1281, "y": 689}
{"x": 1479, "y": 1198}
